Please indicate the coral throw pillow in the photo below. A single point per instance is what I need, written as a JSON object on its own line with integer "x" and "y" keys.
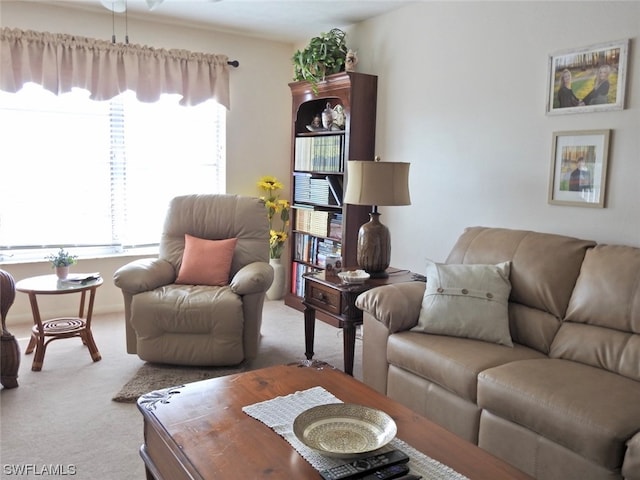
{"x": 206, "y": 262}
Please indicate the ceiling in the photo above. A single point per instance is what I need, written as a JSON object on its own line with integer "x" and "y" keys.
{"x": 291, "y": 21}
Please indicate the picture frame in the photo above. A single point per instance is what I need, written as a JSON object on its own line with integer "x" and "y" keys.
{"x": 578, "y": 174}
{"x": 588, "y": 79}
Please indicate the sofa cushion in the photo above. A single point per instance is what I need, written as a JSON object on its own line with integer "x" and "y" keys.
{"x": 532, "y": 327}
{"x": 631, "y": 467}
{"x": 544, "y": 268}
{"x": 602, "y": 325}
{"x": 599, "y": 347}
{"x": 451, "y": 362}
{"x": 217, "y": 216}
{"x": 211, "y": 336}
{"x": 206, "y": 262}
{"x": 468, "y": 301}
{"x": 588, "y": 410}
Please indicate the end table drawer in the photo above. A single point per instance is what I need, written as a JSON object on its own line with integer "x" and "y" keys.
{"x": 324, "y": 298}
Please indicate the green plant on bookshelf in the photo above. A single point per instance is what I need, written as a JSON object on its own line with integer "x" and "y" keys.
{"x": 277, "y": 208}
{"x": 324, "y": 55}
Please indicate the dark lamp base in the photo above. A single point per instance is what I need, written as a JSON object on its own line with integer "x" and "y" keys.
{"x": 374, "y": 247}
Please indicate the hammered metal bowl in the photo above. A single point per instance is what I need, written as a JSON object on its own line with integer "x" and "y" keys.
{"x": 344, "y": 429}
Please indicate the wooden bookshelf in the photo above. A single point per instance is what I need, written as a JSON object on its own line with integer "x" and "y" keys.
{"x": 319, "y": 219}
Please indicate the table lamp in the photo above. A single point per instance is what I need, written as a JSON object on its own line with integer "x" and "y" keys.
{"x": 376, "y": 183}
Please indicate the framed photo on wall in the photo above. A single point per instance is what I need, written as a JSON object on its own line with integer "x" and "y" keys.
{"x": 588, "y": 79}
{"x": 579, "y": 168}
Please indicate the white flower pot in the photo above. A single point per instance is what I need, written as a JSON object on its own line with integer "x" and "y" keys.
{"x": 276, "y": 290}
{"x": 62, "y": 272}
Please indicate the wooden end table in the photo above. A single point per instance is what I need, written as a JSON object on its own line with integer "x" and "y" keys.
{"x": 57, "y": 328}
{"x": 334, "y": 302}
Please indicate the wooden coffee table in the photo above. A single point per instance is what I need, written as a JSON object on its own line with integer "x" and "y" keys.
{"x": 199, "y": 431}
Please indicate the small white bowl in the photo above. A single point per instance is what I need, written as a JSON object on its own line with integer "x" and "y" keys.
{"x": 355, "y": 276}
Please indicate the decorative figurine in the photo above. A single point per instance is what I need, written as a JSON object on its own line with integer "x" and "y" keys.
{"x": 339, "y": 118}
{"x": 327, "y": 117}
{"x": 316, "y": 122}
{"x": 351, "y": 60}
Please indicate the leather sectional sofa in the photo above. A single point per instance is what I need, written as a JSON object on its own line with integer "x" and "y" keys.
{"x": 561, "y": 403}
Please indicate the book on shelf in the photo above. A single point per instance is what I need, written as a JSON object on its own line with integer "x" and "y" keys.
{"x": 297, "y": 280}
{"x": 304, "y": 206}
{"x": 322, "y": 223}
{"x": 310, "y": 189}
{"x": 325, "y": 249}
{"x": 314, "y": 250}
{"x": 319, "y": 153}
{"x": 335, "y": 228}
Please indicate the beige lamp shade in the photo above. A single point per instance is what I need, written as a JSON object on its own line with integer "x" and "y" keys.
{"x": 377, "y": 183}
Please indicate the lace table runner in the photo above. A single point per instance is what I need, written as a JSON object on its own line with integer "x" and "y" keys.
{"x": 280, "y": 412}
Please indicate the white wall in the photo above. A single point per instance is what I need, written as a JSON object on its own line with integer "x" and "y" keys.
{"x": 258, "y": 123}
{"x": 462, "y": 92}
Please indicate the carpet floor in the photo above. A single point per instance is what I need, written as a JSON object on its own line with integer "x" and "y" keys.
{"x": 65, "y": 415}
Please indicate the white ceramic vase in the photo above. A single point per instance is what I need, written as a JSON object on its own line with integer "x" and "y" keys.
{"x": 276, "y": 290}
{"x": 62, "y": 272}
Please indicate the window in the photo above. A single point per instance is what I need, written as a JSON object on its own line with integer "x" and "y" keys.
{"x": 99, "y": 175}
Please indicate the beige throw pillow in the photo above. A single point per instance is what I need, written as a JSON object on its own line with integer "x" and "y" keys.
{"x": 468, "y": 301}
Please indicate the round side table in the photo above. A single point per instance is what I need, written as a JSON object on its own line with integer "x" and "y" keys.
{"x": 58, "y": 328}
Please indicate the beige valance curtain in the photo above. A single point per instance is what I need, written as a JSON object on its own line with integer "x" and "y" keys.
{"x": 59, "y": 62}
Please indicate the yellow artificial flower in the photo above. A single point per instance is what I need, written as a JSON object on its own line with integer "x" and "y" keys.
{"x": 271, "y": 205}
{"x": 269, "y": 183}
{"x": 276, "y": 207}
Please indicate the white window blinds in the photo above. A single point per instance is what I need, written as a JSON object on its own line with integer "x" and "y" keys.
{"x": 78, "y": 172}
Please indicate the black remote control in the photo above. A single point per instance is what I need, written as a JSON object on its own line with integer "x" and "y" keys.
{"x": 418, "y": 277}
{"x": 363, "y": 466}
{"x": 387, "y": 473}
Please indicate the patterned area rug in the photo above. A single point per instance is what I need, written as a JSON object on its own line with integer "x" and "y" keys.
{"x": 152, "y": 377}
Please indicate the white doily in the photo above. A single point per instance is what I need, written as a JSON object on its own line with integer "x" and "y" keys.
{"x": 280, "y": 412}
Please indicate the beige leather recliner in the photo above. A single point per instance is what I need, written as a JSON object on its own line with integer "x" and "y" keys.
{"x": 197, "y": 324}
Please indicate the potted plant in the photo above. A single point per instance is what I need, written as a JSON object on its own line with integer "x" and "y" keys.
{"x": 61, "y": 261}
{"x": 324, "y": 55}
